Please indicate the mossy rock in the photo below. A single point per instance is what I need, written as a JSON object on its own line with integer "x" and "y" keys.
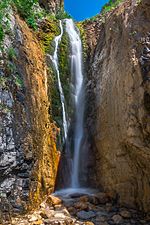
{"x": 49, "y": 29}
{"x": 80, "y": 26}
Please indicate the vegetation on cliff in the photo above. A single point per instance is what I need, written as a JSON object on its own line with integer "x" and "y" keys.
{"x": 110, "y": 5}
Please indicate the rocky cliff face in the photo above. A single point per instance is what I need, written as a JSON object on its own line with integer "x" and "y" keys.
{"x": 118, "y": 104}
{"x": 52, "y": 5}
{"x": 28, "y": 156}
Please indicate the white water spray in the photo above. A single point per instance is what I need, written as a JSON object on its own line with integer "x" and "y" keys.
{"x": 54, "y": 58}
{"x": 77, "y": 78}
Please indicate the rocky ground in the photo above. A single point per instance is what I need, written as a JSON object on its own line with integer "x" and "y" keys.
{"x": 98, "y": 209}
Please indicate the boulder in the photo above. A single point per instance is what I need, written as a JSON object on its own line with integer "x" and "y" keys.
{"x": 84, "y": 215}
{"x": 52, "y": 200}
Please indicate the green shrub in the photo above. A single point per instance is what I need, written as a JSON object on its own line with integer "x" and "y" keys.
{"x": 3, "y": 13}
{"x": 19, "y": 81}
{"x": 31, "y": 21}
{"x": 1, "y": 33}
{"x": 24, "y": 7}
{"x": 61, "y": 14}
{"x": 110, "y": 5}
{"x": 11, "y": 54}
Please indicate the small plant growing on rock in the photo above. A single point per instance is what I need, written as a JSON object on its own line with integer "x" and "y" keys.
{"x": 12, "y": 54}
{"x": 110, "y": 5}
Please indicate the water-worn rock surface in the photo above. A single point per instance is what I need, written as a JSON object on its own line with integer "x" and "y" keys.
{"x": 118, "y": 101}
{"x": 85, "y": 210}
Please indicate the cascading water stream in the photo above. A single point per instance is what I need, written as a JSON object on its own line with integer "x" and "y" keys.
{"x": 54, "y": 58}
{"x": 77, "y": 83}
{"x": 74, "y": 139}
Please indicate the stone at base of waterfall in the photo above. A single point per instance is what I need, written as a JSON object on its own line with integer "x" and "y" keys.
{"x": 72, "y": 210}
{"x": 85, "y": 215}
{"x": 99, "y": 198}
{"x": 84, "y": 198}
{"x": 117, "y": 219}
{"x": 125, "y": 214}
{"x": 81, "y": 205}
{"x": 52, "y": 200}
{"x": 101, "y": 219}
{"x": 59, "y": 221}
{"x": 103, "y": 223}
{"x": 109, "y": 207}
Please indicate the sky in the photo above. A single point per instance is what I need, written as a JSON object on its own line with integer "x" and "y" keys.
{"x": 82, "y": 9}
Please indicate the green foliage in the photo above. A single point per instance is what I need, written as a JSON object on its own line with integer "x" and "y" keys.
{"x": 48, "y": 31}
{"x": 138, "y": 1}
{"x": 4, "y": 109}
{"x": 56, "y": 108}
{"x": 64, "y": 66}
{"x": 3, "y": 81}
{"x": 61, "y": 14}
{"x": 24, "y": 7}
{"x": 3, "y": 13}
{"x": 26, "y": 10}
{"x": 11, "y": 54}
{"x": 110, "y": 5}
{"x": 64, "y": 69}
{"x": 1, "y": 33}
{"x": 80, "y": 26}
{"x": 19, "y": 81}
{"x": 31, "y": 21}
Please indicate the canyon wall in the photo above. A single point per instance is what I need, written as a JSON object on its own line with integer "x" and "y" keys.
{"x": 28, "y": 155}
{"x": 118, "y": 105}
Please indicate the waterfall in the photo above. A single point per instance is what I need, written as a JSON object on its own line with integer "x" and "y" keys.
{"x": 77, "y": 83}
{"x": 54, "y": 58}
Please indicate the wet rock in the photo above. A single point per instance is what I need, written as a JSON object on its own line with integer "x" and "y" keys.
{"x": 101, "y": 213}
{"x": 117, "y": 219}
{"x": 125, "y": 214}
{"x": 84, "y": 215}
{"x": 101, "y": 219}
{"x": 72, "y": 210}
{"x": 103, "y": 223}
{"x": 81, "y": 205}
{"x": 99, "y": 198}
{"x": 84, "y": 199}
{"x": 109, "y": 207}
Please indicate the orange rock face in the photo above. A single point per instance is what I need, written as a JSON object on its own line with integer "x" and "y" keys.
{"x": 118, "y": 101}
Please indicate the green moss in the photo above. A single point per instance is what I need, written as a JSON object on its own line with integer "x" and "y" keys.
{"x": 61, "y": 14}
{"x": 11, "y": 54}
{"x": 64, "y": 66}
{"x": 4, "y": 25}
{"x": 48, "y": 31}
{"x": 80, "y": 25}
{"x": 55, "y": 107}
{"x": 3, "y": 81}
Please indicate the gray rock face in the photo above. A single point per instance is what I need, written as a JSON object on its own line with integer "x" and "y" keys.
{"x": 22, "y": 124}
{"x": 118, "y": 102}
{"x": 52, "y": 5}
